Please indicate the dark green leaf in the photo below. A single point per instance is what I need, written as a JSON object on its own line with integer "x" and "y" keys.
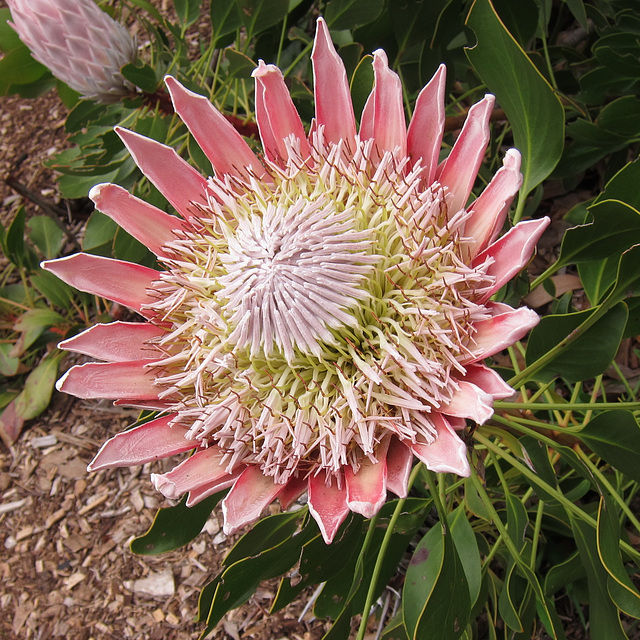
{"x": 9, "y": 39}
{"x": 621, "y": 589}
{"x": 100, "y": 231}
{"x": 349, "y": 14}
{"x": 534, "y": 111}
{"x": 586, "y": 356}
{"x": 436, "y": 592}
{"x": 563, "y": 574}
{"x": 14, "y": 239}
{"x": 259, "y": 15}
{"x": 361, "y": 84}
{"x": 225, "y": 18}
{"x": 53, "y": 289}
{"x": 143, "y": 76}
{"x": 467, "y": 547}
{"x": 604, "y": 621}
{"x": 239, "y": 580}
{"x": 319, "y": 562}
{"x": 621, "y": 117}
{"x": 46, "y": 235}
{"x": 240, "y": 65}
{"x": 18, "y": 67}
{"x": 174, "y": 527}
{"x": 624, "y": 186}
{"x": 38, "y": 319}
{"x": 615, "y": 436}
{"x": 188, "y": 10}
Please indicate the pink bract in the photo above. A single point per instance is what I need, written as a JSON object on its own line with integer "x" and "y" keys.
{"x": 321, "y": 315}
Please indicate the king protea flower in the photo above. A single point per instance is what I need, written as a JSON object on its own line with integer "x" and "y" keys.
{"x": 79, "y": 43}
{"x": 322, "y": 313}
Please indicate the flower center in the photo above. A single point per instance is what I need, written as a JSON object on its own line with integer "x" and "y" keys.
{"x": 312, "y": 316}
{"x": 291, "y": 274}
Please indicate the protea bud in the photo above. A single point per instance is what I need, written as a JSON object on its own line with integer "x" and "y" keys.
{"x": 79, "y": 43}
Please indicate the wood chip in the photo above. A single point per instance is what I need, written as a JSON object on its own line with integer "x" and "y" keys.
{"x": 7, "y": 507}
{"x": 92, "y": 504}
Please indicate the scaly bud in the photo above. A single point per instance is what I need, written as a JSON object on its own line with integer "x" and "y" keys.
{"x": 79, "y": 43}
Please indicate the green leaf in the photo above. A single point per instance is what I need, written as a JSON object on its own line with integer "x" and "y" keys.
{"x": 265, "y": 534}
{"x": 173, "y": 527}
{"x": 46, "y": 235}
{"x": 621, "y": 117}
{"x": 584, "y": 357}
{"x": 621, "y": 589}
{"x": 188, "y": 10}
{"x": 349, "y": 14}
{"x": 142, "y": 76}
{"x": 627, "y": 284}
{"x": 534, "y": 111}
{"x": 53, "y": 289}
{"x": 538, "y": 458}
{"x": 14, "y": 239}
{"x": 563, "y": 574}
{"x": 8, "y": 363}
{"x": 260, "y": 15}
{"x": 615, "y": 227}
{"x": 38, "y": 319}
{"x": 362, "y": 83}
{"x": 239, "y": 580}
{"x": 225, "y": 18}
{"x": 436, "y": 592}
{"x": 624, "y": 186}
{"x": 240, "y": 65}
{"x": 38, "y": 387}
{"x": 320, "y": 562}
{"x": 18, "y": 67}
{"x": 9, "y": 39}
{"x": 395, "y": 629}
{"x": 100, "y": 231}
{"x": 604, "y": 621}
{"x": 615, "y": 436}
{"x": 467, "y": 547}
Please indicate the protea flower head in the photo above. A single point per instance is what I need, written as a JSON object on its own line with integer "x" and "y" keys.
{"x": 79, "y": 43}
{"x": 322, "y": 313}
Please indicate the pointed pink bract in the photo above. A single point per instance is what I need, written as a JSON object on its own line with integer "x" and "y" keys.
{"x": 512, "y": 252}
{"x": 125, "y": 380}
{"x": 327, "y": 505}
{"x": 447, "y": 454}
{"x": 424, "y": 137}
{"x": 146, "y": 223}
{"x": 251, "y": 493}
{"x": 334, "y": 109}
{"x": 150, "y": 441}
{"x": 176, "y": 180}
{"x": 116, "y": 342}
{"x": 460, "y": 169}
{"x": 226, "y": 149}
{"x": 277, "y": 117}
{"x": 123, "y": 282}
{"x": 383, "y": 115}
{"x": 490, "y": 209}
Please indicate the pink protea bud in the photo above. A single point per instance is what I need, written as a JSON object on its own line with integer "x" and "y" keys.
{"x": 79, "y": 43}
